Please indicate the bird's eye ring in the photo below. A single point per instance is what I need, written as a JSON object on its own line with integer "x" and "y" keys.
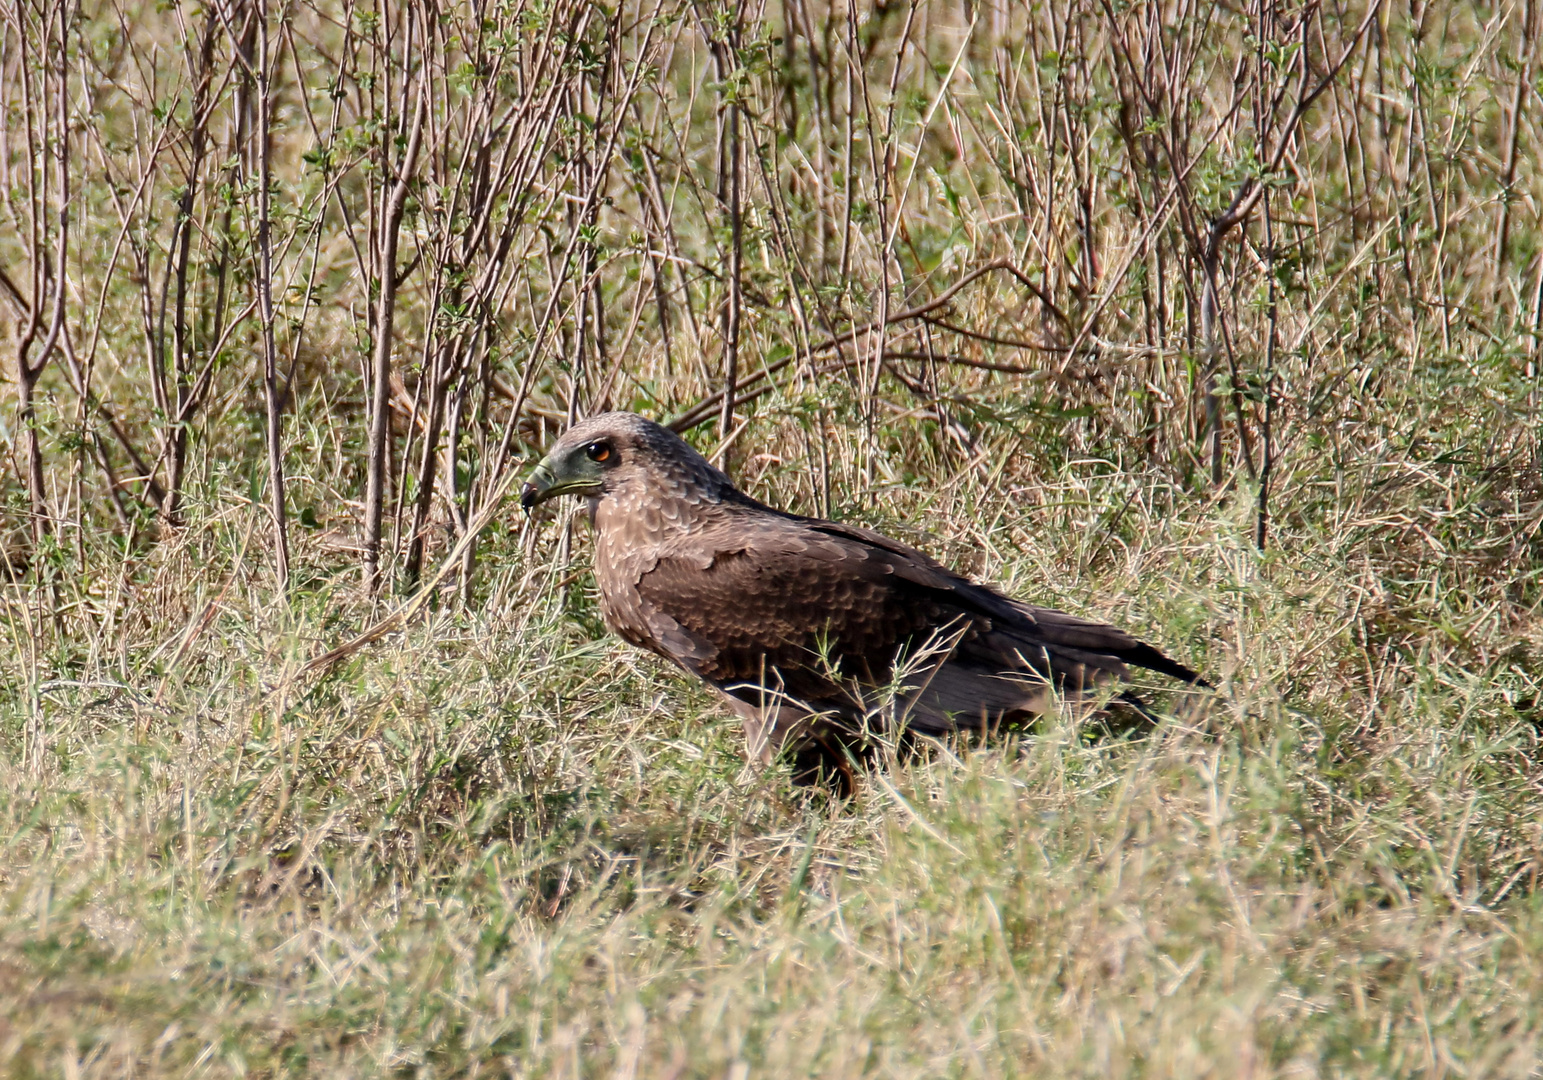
{"x": 598, "y": 451}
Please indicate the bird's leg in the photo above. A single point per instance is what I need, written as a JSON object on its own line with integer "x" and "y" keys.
{"x": 760, "y": 724}
{"x": 825, "y": 765}
{"x": 769, "y": 725}
{"x": 758, "y": 743}
{"x": 843, "y": 762}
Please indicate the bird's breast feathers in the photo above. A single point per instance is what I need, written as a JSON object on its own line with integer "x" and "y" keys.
{"x": 634, "y": 534}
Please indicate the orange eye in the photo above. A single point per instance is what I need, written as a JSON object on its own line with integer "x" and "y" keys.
{"x": 598, "y": 451}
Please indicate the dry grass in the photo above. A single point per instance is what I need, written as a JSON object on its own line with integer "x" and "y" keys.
{"x": 501, "y": 842}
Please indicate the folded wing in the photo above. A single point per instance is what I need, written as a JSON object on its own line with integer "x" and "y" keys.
{"x": 824, "y": 615}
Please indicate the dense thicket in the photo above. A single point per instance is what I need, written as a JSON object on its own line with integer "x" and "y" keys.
{"x": 1218, "y": 320}
{"x": 394, "y": 246}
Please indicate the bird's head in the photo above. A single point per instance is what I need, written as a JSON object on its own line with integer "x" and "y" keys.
{"x": 596, "y": 456}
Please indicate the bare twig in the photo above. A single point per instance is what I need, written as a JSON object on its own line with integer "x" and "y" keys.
{"x": 388, "y": 231}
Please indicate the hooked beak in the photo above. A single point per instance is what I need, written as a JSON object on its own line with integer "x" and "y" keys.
{"x": 538, "y": 489}
{"x": 549, "y": 480}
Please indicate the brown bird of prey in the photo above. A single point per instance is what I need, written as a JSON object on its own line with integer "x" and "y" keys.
{"x": 809, "y": 626}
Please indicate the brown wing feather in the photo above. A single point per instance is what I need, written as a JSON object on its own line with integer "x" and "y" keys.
{"x": 821, "y": 612}
{"x": 1052, "y": 627}
{"x": 772, "y": 601}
